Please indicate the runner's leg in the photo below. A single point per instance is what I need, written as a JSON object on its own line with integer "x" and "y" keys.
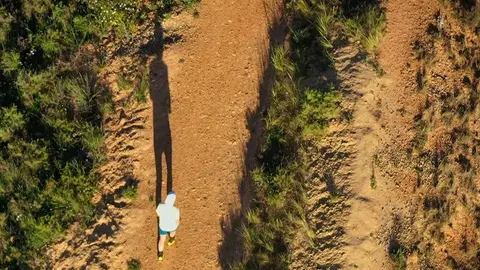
{"x": 161, "y": 242}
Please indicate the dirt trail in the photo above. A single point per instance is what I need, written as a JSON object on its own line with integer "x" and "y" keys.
{"x": 212, "y": 79}
{"x": 407, "y": 22}
{"x": 193, "y": 140}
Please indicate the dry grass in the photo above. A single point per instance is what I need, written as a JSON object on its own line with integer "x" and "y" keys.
{"x": 445, "y": 146}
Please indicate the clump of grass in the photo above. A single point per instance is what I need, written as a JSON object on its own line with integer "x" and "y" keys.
{"x": 399, "y": 259}
{"x": 282, "y": 63}
{"x": 141, "y": 90}
{"x": 123, "y": 82}
{"x": 151, "y": 198}
{"x": 373, "y": 179}
{"x": 319, "y": 18}
{"x": 130, "y": 192}
{"x": 366, "y": 28}
{"x": 134, "y": 264}
{"x": 421, "y": 135}
{"x": 320, "y": 106}
{"x": 324, "y": 16}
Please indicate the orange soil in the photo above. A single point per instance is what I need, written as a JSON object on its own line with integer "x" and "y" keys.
{"x": 211, "y": 90}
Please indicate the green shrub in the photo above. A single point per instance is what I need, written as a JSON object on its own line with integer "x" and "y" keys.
{"x": 399, "y": 259}
{"x": 5, "y": 20}
{"x": 11, "y": 121}
{"x": 10, "y": 61}
{"x": 319, "y": 108}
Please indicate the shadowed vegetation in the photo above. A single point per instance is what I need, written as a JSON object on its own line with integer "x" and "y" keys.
{"x": 134, "y": 264}
{"x": 298, "y": 111}
{"x": 52, "y": 104}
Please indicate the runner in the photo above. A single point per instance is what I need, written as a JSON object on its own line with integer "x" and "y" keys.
{"x": 169, "y": 219}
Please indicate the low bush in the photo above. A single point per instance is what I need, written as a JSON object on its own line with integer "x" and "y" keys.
{"x": 134, "y": 264}
{"x": 51, "y": 110}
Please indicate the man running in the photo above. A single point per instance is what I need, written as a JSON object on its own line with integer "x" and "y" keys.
{"x": 169, "y": 219}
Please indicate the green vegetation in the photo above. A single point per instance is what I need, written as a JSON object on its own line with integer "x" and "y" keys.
{"x": 373, "y": 178}
{"x": 319, "y": 108}
{"x": 130, "y": 192}
{"x": 123, "y": 82}
{"x": 400, "y": 259}
{"x": 141, "y": 90}
{"x": 361, "y": 21}
{"x": 298, "y": 112}
{"x": 134, "y": 264}
{"x": 277, "y": 214}
{"x": 366, "y": 27}
{"x": 51, "y": 109}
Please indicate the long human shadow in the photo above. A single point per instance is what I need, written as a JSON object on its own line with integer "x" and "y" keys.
{"x": 160, "y": 96}
{"x": 231, "y": 250}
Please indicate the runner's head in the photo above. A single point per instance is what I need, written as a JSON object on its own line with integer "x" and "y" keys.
{"x": 170, "y": 198}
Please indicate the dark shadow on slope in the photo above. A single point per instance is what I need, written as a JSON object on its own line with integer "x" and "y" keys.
{"x": 231, "y": 250}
